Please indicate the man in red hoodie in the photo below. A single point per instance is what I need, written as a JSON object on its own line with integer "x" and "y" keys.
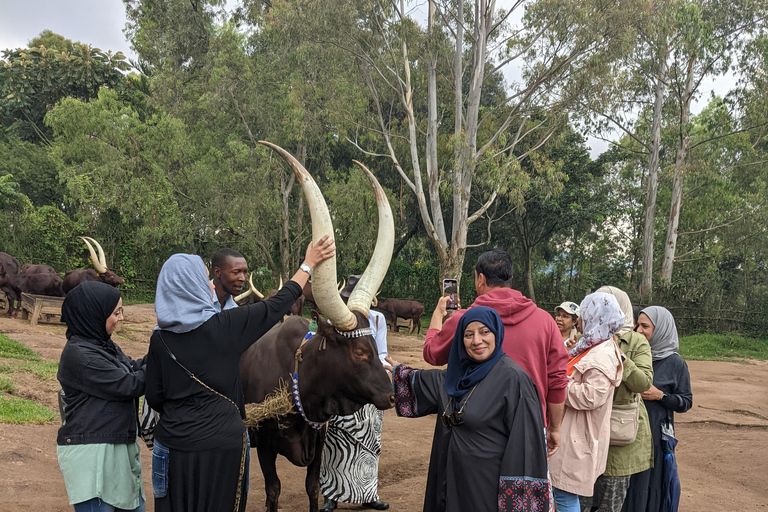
{"x": 531, "y": 336}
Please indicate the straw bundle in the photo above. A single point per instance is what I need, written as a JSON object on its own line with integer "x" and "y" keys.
{"x": 274, "y": 407}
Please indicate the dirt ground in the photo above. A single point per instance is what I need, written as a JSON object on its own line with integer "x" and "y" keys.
{"x": 723, "y": 449}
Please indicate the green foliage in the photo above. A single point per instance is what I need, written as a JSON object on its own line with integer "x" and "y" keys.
{"x": 12, "y": 349}
{"x": 19, "y": 411}
{"x": 32, "y": 80}
{"x": 719, "y": 347}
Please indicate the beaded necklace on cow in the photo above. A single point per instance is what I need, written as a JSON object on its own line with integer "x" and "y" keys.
{"x": 357, "y": 333}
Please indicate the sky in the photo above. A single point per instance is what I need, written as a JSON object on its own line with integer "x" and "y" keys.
{"x": 100, "y": 23}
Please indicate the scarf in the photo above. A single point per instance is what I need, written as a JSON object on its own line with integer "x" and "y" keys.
{"x": 663, "y": 341}
{"x": 625, "y": 304}
{"x": 463, "y": 372}
{"x": 601, "y": 318}
{"x": 183, "y": 300}
{"x": 86, "y": 308}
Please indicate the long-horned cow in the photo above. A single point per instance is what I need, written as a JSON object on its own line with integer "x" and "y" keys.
{"x": 11, "y": 265}
{"x": 251, "y": 296}
{"x": 31, "y": 269}
{"x": 102, "y": 273}
{"x": 405, "y": 309}
{"x": 333, "y": 372}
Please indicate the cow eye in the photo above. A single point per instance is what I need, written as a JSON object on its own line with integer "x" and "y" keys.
{"x": 360, "y": 353}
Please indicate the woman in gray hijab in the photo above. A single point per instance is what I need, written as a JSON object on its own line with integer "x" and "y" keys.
{"x": 670, "y": 393}
{"x": 200, "y": 453}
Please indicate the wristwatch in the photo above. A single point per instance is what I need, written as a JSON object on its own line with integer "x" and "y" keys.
{"x": 623, "y": 357}
{"x": 306, "y": 268}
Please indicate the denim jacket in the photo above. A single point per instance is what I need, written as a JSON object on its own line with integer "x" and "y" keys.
{"x": 101, "y": 388}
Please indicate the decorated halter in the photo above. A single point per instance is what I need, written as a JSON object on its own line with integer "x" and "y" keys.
{"x": 357, "y": 333}
{"x": 295, "y": 379}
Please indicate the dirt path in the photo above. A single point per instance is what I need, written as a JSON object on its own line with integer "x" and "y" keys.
{"x": 723, "y": 450}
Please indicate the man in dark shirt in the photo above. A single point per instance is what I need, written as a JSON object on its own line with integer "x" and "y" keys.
{"x": 229, "y": 275}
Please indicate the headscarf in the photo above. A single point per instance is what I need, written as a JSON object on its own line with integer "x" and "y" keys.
{"x": 464, "y": 372}
{"x": 601, "y": 318}
{"x": 664, "y": 341}
{"x": 183, "y": 299}
{"x": 86, "y": 308}
{"x": 625, "y": 304}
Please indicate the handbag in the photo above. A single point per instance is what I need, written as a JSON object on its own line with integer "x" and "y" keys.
{"x": 625, "y": 420}
{"x": 147, "y": 422}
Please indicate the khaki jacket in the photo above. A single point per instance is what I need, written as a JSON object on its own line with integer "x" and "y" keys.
{"x": 586, "y": 428}
{"x": 638, "y": 377}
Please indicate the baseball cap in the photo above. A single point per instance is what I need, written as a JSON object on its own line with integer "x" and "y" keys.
{"x": 569, "y": 307}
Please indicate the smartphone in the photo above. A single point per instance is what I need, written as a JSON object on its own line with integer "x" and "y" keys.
{"x": 450, "y": 288}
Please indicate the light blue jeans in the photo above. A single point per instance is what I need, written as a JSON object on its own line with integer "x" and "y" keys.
{"x": 566, "y": 502}
{"x": 96, "y": 505}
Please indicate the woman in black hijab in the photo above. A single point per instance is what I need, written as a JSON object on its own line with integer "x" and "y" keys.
{"x": 98, "y": 452}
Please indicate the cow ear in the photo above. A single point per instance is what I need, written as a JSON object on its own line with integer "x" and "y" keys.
{"x": 323, "y": 327}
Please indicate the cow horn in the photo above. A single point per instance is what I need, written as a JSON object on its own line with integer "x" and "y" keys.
{"x": 341, "y": 284}
{"x": 244, "y": 294}
{"x": 280, "y": 286}
{"x": 257, "y": 292}
{"x": 363, "y": 295}
{"x": 327, "y": 296}
{"x": 94, "y": 259}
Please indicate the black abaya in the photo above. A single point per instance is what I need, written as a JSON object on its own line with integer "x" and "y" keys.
{"x": 495, "y": 460}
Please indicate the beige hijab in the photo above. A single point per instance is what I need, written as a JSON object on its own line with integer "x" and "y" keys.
{"x": 625, "y": 304}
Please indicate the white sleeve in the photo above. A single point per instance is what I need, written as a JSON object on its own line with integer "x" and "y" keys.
{"x": 379, "y": 326}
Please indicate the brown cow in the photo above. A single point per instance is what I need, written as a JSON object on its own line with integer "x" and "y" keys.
{"x": 337, "y": 371}
{"x": 399, "y": 308}
{"x": 31, "y": 269}
{"x": 37, "y": 284}
{"x": 11, "y": 266}
{"x": 102, "y": 273}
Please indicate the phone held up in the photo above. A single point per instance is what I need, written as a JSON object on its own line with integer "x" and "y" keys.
{"x": 450, "y": 288}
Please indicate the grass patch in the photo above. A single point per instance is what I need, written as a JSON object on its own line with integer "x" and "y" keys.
{"x": 722, "y": 347}
{"x": 6, "y": 384}
{"x": 19, "y": 411}
{"x": 45, "y": 370}
{"x": 12, "y": 349}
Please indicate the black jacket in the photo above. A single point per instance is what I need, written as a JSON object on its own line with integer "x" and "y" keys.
{"x": 101, "y": 390}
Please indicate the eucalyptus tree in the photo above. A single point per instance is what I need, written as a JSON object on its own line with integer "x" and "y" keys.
{"x": 456, "y": 154}
{"x": 712, "y": 33}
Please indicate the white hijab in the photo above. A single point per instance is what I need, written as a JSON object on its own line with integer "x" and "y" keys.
{"x": 601, "y": 318}
{"x": 624, "y": 303}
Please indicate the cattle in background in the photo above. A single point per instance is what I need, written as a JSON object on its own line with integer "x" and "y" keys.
{"x": 31, "y": 269}
{"x": 297, "y": 308}
{"x": 102, "y": 273}
{"x": 335, "y": 372}
{"x": 399, "y": 308}
{"x": 36, "y": 284}
{"x": 11, "y": 266}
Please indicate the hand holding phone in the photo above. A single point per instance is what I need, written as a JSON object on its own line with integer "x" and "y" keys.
{"x": 450, "y": 289}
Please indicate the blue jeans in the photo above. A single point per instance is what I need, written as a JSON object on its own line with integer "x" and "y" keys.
{"x": 96, "y": 505}
{"x": 566, "y": 502}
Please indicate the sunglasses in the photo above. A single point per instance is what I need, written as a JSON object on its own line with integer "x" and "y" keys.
{"x": 453, "y": 419}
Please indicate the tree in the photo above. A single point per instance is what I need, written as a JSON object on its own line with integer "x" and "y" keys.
{"x": 33, "y": 80}
{"x": 471, "y": 164}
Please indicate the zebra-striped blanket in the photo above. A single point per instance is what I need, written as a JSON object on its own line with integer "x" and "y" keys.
{"x": 350, "y": 467}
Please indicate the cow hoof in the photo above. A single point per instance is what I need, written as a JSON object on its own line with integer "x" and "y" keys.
{"x": 377, "y": 505}
{"x": 328, "y": 506}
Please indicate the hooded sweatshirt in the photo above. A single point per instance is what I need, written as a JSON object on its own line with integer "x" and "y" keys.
{"x": 531, "y": 339}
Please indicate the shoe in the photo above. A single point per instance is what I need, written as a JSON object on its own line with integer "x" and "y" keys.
{"x": 377, "y": 505}
{"x": 328, "y": 506}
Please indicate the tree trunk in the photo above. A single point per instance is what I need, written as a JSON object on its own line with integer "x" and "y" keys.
{"x": 529, "y": 274}
{"x": 450, "y": 268}
{"x": 677, "y": 185}
{"x": 649, "y": 231}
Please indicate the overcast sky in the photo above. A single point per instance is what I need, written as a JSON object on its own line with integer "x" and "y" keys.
{"x": 100, "y": 23}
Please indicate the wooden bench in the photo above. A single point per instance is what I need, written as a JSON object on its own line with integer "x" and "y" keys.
{"x": 402, "y": 322}
{"x": 42, "y": 307}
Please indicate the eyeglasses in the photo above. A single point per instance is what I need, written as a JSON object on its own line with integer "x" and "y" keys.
{"x": 453, "y": 419}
